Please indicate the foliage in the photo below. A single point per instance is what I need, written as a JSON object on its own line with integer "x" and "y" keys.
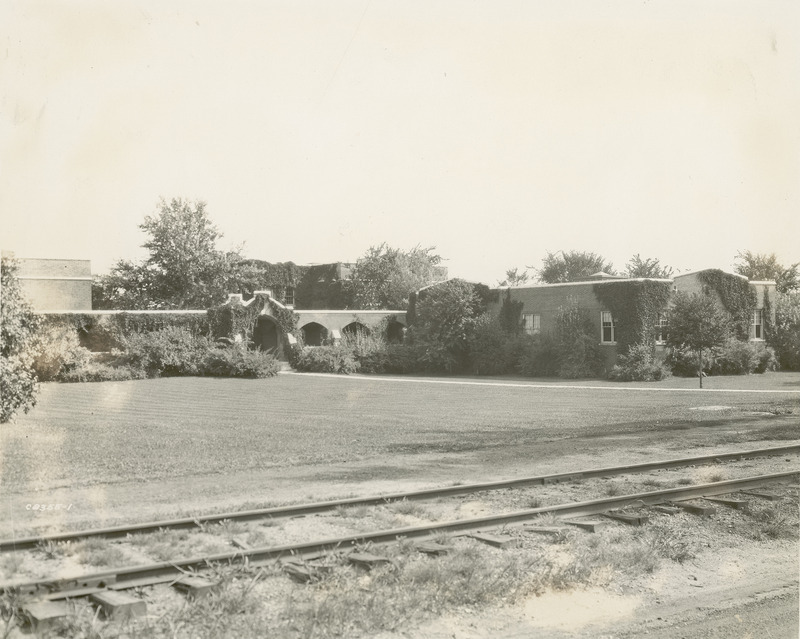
{"x": 18, "y": 328}
{"x": 639, "y": 364}
{"x": 492, "y": 349}
{"x": 184, "y": 269}
{"x": 58, "y": 351}
{"x": 635, "y": 307}
{"x": 443, "y": 323}
{"x": 515, "y": 277}
{"x": 579, "y": 351}
{"x": 572, "y": 266}
{"x": 167, "y": 352}
{"x": 385, "y": 277}
{"x": 785, "y": 336}
{"x": 649, "y": 267}
{"x": 93, "y": 371}
{"x": 733, "y": 357}
{"x": 539, "y": 356}
{"x": 763, "y": 266}
{"x": 696, "y": 323}
{"x": 335, "y": 358}
{"x": 737, "y": 296}
{"x": 101, "y": 332}
{"x": 510, "y": 315}
{"x": 237, "y": 361}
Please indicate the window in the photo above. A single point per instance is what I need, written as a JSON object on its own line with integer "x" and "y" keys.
{"x": 607, "y": 324}
{"x": 288, "y": 296}
{"x": 757, "y": 325}
{"x": 531, "y": 323}
{"x": 661, "y": 329}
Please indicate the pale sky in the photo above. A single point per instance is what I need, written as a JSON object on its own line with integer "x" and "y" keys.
{"x": 493, "y": 130}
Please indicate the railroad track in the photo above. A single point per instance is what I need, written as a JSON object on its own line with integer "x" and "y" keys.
{"x": 28, "y": 543}
{"x": 177, "y": 571}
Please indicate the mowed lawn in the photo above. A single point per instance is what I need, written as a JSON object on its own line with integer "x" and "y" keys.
{"x": 85, "y": 434}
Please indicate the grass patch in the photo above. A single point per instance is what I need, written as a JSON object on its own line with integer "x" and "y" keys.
{"x": 97, "y": 552}
{"x": 412, "y": 508}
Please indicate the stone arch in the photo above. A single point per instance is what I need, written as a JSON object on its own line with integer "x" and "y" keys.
{"x": 356, "y": 329}
{"x": 314, "y": 334}
{"x": 266, "y": 335}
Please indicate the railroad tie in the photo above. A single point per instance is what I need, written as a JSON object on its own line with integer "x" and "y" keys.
{"x": 42, "y": 615}
{"x": 119, "y": 605}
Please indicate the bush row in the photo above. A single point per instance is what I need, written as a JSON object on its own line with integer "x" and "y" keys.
{"x": 171, "y": 351}
{"x": 493, "y": 352}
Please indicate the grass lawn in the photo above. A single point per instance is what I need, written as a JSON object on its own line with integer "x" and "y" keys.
{"x": 249, "y": 439}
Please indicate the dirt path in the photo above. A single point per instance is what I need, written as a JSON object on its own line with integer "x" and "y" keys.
{"x": 742, "y": 593}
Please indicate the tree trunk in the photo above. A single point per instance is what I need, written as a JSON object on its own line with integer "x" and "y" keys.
{"x": 700, "y": 366}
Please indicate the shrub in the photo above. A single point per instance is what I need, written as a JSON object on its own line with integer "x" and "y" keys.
{"x": 580, "y": 358}
{"x": 169, "y": 351}
{"x": 58, "y": 351}
{"x": 786, "y": 334}
{"x": 92, "y": 371}
{"x": 639, "y": 365}
{"x": 734, "y": 357}
{"x": 394, "y": 358}
{"x": 492, "y": 350}
{"x": 236, "y": 361}
{"x": 539, "y": 356}
{"x": 327, "y": 359}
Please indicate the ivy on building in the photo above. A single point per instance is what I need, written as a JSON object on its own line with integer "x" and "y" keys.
{"x": 736, "y": 295}
{"x": 635, "y": 306}
{"x": 232, "y": 319}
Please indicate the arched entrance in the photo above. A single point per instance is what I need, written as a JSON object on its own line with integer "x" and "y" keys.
{"x": 265, "y": 335}
{"x": 314, "y": 334}
{"x": 355, "y": 329}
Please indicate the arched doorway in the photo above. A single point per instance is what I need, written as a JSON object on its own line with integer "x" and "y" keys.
{"x": 314, "y": 334}
{"x": 265, "y": 335}
{"x": 355, "y": 329}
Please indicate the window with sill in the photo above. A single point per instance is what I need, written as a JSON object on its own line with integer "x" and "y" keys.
{"x": 661, "y": 329}
{"x": 757, "y": 325}
{"x": 531, "y": 323}
{"x": 607, "y": 328}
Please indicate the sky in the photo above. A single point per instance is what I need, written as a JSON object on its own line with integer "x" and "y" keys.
{"x": 496, "y": 131}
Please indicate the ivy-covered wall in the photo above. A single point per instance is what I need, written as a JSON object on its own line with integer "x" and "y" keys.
{"x": 102, "y": 331}
{"x": 737, "y": 295}
{"x": 635, "y": 306}
{"x": 315, "y": 287}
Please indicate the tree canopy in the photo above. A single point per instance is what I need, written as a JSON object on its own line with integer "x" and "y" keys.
{"x": 515, "y": 277}
{"x": 184, "y": 270}
{"x": 763, "y": 266}
{"x": 572, "y": 266}
{"x": 385, "y": 277}
{"x": 18, "y": 327}
{"x": 697, "y": 322}
{"x": 647, "y": 267}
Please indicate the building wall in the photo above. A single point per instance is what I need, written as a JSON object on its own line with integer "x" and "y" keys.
{"x": 545, "y": 300}
{"x": 56, "y": 285}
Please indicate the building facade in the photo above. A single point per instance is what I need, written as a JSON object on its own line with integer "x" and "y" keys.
{"x": 55, "y": 285}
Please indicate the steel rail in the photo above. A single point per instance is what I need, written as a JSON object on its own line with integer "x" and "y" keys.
{"x": 27, "y": 543}
{"x": 123, "y": 578}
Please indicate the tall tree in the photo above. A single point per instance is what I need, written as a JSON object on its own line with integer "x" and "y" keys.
{"x": 384, "y": 277}
{"x": 18, "y": 327}
{"x": 184, "y": 270}
{"x": 697, "y": 322}
{"x": 649, "y": 267}
{"x": 763, "y": 266}
{"x": 572, "y": 266}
